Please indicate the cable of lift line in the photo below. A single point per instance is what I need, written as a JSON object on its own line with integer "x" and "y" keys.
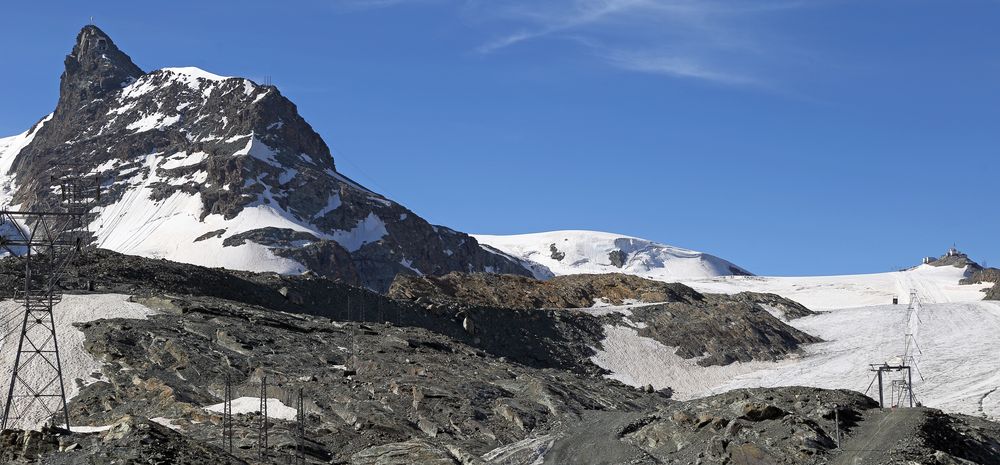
{"x": 142, "y": 233}
{"x": 113, "y": 224}
{"x": 340, "y": 156}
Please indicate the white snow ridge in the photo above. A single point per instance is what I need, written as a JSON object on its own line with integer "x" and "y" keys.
{"x": 558, "y": 253}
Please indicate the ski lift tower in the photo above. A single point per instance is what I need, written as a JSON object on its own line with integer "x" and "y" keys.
{"x": 899, "y": 389}
{"x": 44, "y": 240}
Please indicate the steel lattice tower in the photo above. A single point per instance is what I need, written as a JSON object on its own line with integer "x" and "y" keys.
{"x": 45, "y": 241}
{"x": 227, "y": 418}
{"x": 262, "y": 432}
{"x": 300, "y": 453}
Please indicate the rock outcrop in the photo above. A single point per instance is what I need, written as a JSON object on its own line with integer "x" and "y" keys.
{"x": 986, "y": 275}
{"x": 956, "y": 259}
{"x": 719, "y": 329}
{"x": 519, "y": 292}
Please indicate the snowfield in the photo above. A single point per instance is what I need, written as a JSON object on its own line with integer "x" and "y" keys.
{"x": 79, "y": 367}
{"x": 244, "y": 405}
{"x": 938, "y": 284}
{"x": 559, "y": 253}
{"x": 955, "y": 333}
{"x": 957, "y": 363}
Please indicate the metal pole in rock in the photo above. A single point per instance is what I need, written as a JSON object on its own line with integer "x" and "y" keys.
{"x": 881, "y": 401}
{"x": 836, "y": 420}
{"x": 227, "y": 420}
{"x": 300, "y": 455}
{"x": 262, "y": 434}
{"x": 909, "y": 384}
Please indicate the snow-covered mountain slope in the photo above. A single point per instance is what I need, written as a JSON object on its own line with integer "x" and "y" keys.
{"x": 9, "y": 148}
{"x": 559, "y": 253}
{"x": 953, "y": 344}
{"x": 934, "y": 284}
{"x": 219, "y": 171}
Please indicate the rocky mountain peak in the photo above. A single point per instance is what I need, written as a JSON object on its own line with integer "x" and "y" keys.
{"x": 220, "y": 171}
{"x": 95, "y": 67}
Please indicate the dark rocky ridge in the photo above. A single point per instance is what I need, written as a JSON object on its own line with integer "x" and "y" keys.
{"x": 257, "y": 151}
{"x": 544, "y": 339}
{"x": 519, "y": 292}
{"x": 719, "y": 328}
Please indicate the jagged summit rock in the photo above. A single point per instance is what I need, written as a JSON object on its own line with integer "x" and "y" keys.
{"x": 219, "y": 171}
{"x": 95, "y": 67}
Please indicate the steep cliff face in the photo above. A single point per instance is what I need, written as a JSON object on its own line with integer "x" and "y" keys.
{"x": 219, "y": 171}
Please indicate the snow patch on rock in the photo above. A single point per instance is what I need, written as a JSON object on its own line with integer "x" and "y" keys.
{"x": 79, "y": 367}
{"x": 245, "y": 405}
{"x": 368, "y": 230}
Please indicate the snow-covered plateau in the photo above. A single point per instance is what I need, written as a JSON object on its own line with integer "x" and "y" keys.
{"x": 953, "y": 342}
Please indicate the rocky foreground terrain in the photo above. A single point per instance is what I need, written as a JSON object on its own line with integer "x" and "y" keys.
{"x": 393, "y": 381}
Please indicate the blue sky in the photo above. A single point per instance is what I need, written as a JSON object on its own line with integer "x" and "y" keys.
{"x": 791, "y": 137}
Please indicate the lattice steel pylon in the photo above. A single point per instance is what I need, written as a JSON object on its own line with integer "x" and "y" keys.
{"x": 227, "y": 418}
{"x": 45, "y": 240}
{"x": 262, "y": 432}
{"x": 300, "y": 429}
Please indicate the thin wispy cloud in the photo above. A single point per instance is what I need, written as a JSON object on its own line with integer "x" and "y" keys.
{"x": 722, "y": 42}
{"x": 679, "y": 67}
{"x": 374, "y": 4}
{"x": 559, "y": 19}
